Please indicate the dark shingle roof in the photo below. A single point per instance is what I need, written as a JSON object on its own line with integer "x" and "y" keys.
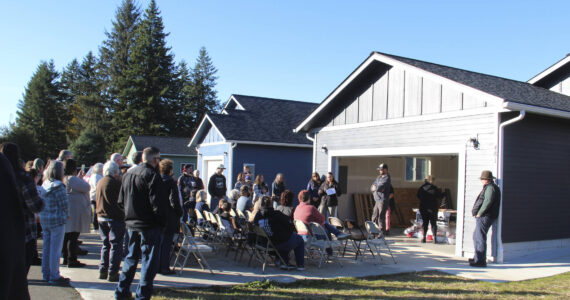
{"x": 510, "y": 90}
{"x": 264, "y": 120}
{"x": 167, "y": 145}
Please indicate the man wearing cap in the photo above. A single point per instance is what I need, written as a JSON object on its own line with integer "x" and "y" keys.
{"x": 486, "y": 210}
{"x": 217, "y": 186}
{"x": 381, "y": 192}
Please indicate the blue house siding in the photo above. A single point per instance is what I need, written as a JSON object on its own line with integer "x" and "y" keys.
{"x": 295, "y": 163}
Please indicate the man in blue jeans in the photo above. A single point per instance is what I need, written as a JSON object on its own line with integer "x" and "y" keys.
{"x": 486, "y": 210}
{"x": 145, "y": 218}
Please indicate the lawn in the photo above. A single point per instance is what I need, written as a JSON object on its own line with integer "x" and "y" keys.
{"x": 431, "y": 284}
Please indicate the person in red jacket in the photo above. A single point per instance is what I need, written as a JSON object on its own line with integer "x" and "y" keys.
{"x": 307, "y": 213}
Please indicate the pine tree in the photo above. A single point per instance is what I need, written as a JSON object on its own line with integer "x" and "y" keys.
{"x": 150, "y": 78}
{"x": 113, "y": 65}
{"x": 41, "y": 110}
{"x": 89, "y": 148}
{"x": 203, "y": 94}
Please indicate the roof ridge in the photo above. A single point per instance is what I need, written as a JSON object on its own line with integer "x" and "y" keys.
{"x": 464, "y": 70}
{"x": 276, "y": 99}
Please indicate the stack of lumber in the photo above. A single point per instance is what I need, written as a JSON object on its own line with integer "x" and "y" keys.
{"x": 405, "y": 200}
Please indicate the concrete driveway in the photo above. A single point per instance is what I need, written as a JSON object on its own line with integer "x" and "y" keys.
{"x": 411, "y": 256}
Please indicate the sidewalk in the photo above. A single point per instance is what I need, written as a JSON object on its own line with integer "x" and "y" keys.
{"x": 411, "y": 256}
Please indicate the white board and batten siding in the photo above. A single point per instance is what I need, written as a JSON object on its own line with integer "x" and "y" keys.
{"x": 400, "y": 110}
{"x": 562, "y": 87}
{"x": 402, "y": 93}
{"x": 213, "y": 136}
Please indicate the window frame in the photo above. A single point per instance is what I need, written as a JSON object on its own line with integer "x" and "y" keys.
{"x": 414, "y": 168}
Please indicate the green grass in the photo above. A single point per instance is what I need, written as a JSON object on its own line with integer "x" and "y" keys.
{"x": 422, "y": 285}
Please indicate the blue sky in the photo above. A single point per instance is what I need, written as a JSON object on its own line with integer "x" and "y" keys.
{"x": 299, "y": 50}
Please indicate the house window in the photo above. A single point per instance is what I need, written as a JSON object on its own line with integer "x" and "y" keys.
{"x": 417, "y": 168}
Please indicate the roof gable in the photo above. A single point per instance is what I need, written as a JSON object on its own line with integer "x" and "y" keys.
{"x": 553, "y": 74}
{"x": 495, "y": 89}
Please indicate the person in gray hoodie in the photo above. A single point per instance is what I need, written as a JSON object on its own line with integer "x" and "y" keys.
{"x": 381, "y": 192}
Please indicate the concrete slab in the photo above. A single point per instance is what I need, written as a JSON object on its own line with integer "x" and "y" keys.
{"x": 411, "y": 256}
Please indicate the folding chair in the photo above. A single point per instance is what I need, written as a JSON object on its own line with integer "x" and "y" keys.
{"x": 376, "y": 239}
{"x": 264, "y": 247}
{"x": 240, "y": 214}
{"x": 355, "y": 239}
{"x": 201, "y": 224}
{"x": 190, "y": 247}
{"x": 321, "y": 242}
{"x": 225, "y": 234}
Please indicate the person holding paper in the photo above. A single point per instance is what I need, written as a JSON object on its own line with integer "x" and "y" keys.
{"x": 329, "y": 192}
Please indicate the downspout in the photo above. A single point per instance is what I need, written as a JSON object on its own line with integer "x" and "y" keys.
{"x": 231, "y": 162}
{"x": 500, "y": 180}
{"x": 314, "y": 149}
{"x": 198, "y": 159}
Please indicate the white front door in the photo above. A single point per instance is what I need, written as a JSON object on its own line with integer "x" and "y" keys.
{"x": 210, "y": 168}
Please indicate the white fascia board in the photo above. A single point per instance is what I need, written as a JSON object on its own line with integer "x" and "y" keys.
{"x": 200, "y": 129}
{"x": 232, "y": 98}
{"x": 403, "y": 120}
{"x": 168, "y": 154}
{"x": 130, "y": 140}
{"x": 396, "y": 63}
{"x": 549, "y": 71}
{"x": 272, "y": 144}
{"x": 329, "y": 98}
{"x": 537, "y": 110}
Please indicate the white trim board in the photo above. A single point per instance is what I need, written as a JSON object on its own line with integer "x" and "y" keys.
{"x": 514, "y": 250}
{"x": 271, "y": 144}
{"x": 421, "y": 118}
{"x": 549, "y": 71}
{"x": 199, "y": 130}
{"x": 458, "y": 150}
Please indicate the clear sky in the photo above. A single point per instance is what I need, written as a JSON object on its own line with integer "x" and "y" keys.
{"x": 294, "y": 49}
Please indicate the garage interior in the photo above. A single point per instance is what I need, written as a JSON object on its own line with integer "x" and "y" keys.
{"x": 356, "y": 174}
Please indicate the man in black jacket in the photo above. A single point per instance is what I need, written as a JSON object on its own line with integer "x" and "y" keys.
{"x": 486, "y": 210}
{"x": 217, "y": 186}
{"x": 145, "y": 218}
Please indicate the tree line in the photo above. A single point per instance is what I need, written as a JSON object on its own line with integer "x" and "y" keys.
{"x": 133, "y": 87}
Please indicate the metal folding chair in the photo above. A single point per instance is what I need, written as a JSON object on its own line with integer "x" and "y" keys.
{"x": 321, "y": 242}
{"x": 355, "y": 239}
{"x": 264, "y": 247}
{"x": 190, "y": 247}
{"x": 375, "y": 240}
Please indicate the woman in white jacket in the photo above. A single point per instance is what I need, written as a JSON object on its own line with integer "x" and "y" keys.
{"x": 79, "y": 213}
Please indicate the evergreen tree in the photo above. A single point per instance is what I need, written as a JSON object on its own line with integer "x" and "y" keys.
{"x": 89, "y": 148}
{"x": 23, "y": 138}
{"x": 113, "y": 65}
{"x": 203, "y": 94}
{"x": 41, "y": 109}
{"x": 70, "y": 88}
{"x": 150, "y": 79}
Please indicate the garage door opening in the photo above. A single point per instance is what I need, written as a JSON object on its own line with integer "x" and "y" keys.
{"x": 356, "y": 174}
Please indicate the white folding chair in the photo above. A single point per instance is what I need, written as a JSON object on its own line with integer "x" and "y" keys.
{"x": 190, "y": 247}
{"x": 375, "y": 240}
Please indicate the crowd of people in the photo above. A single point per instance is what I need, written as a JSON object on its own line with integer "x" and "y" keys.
{"x": 137, "y": 210}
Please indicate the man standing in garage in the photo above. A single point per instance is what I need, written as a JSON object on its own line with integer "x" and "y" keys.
{"x": 381, "y": 192}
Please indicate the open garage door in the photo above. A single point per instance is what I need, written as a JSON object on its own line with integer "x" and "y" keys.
{"x": 407, "y": 173}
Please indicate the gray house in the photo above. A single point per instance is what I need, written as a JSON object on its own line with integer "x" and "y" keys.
{"x": 422, "y": 118}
